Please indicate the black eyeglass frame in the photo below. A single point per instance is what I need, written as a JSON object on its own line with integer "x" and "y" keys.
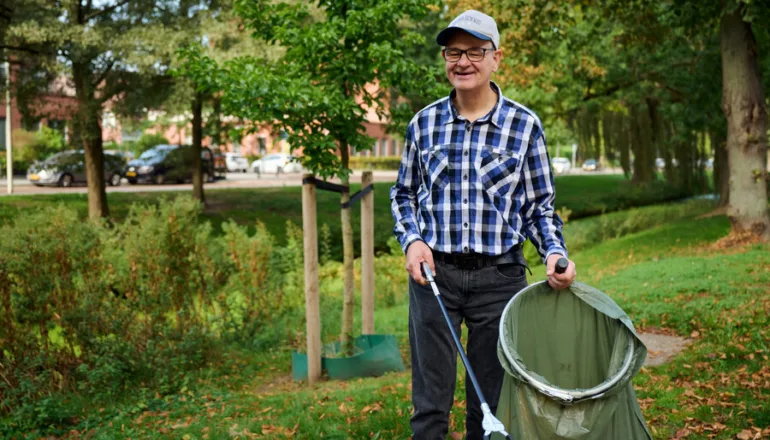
{"x": 467, "y": 53}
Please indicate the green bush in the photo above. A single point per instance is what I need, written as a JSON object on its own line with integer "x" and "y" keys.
{"x": 145, "y": 142}
{"x": 93, "y": 309}
{"x": 375, "y": 163}
{"x": 29, "y": 146}
{"x": 588, "y": 232}
{"x": 19, "y": 166}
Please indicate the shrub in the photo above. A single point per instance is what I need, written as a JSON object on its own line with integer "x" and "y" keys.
{"x": 375, "y": 163}
{"x": 49, "y": 291}
{"x": 90, "y": 308}
{"x": 145, "y": 142}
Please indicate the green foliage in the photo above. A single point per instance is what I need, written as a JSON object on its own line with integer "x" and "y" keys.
{"x": 98, "y": 309}
{"x": 585, "y": 233}
{"x": 375, "y": 163}
{"x": 585, "y": 195}
{"x": 318, "y": 90}
{"x": 684, "y": 285}
{"x": 145, "y": 142}
{"x": 29, "y": 147}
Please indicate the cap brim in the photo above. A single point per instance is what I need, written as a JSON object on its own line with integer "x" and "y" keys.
{"x": 443, "y": 37}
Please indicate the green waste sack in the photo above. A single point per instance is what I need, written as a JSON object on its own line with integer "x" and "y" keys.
{"x": 569, "y": 357}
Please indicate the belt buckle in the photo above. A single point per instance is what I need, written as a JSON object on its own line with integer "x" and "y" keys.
{"x": 467, "y": 262}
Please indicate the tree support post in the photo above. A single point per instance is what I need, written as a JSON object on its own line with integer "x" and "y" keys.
{"x": 312, "y": 306}
{"x": 367, "y": 256}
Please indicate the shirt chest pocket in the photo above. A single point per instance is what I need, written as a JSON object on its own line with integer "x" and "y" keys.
{"x": 499, "y": 170}
{"x": 436, "y": 165}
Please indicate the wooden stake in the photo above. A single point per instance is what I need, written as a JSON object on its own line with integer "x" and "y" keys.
{"x": 367, "y": 256}
{"x": 312, "y": 306}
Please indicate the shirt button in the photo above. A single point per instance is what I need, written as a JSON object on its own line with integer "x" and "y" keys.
{"x": 465, "y": 249}
{"x": 465, "y": 225}
{"x": 467, "y": 153}
{"x": 465, "y": 177}
{"x": 465, "y": 201}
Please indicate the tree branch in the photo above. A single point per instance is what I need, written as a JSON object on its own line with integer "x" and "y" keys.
{"x": 609, "y": 91}
{"x": 20, "y": 49}
{"x": 104, "y": 74}
{"x": 106, "y": 10}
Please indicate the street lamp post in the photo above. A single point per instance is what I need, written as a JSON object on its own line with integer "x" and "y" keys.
{"x": 8, "y": 149}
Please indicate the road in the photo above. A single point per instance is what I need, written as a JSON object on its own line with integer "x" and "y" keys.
{"x": 233, "y": 180}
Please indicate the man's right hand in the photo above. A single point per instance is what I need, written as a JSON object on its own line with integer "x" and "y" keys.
{"x": 416, "y": 253}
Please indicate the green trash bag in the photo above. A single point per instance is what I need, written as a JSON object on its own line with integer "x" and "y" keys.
{"x": 569, "y": 358}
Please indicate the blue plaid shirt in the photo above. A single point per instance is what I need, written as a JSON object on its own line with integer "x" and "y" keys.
{"x": 476, "y": 187}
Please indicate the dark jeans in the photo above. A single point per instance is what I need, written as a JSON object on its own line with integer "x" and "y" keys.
{"x": 477, "y": 297}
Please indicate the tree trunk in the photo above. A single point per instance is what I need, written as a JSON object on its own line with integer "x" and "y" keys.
{"x": 217, "y": 128}
{"x": 197, "y": 139}
{"x": 743, "y": 103}
{"x": 625, "y": 127}
{"x": 607, "y": 132}
{"x": 668, "y": 168}
{"x": 721, "y": 168}
{"x": 348, "y": 302}
{"x": 700, "y": 168}
{"x": 656, "y": 143}
{"x": 87, "y": 118}
{"x": 641, "y": 148}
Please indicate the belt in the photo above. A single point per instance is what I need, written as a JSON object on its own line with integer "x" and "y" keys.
{"x": 478, "y": 261}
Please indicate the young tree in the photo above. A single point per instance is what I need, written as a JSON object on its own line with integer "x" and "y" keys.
{"x": 341, "y": 58}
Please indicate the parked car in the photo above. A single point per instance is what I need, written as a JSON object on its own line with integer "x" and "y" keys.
{"x": 561, "y": 165}
{"x": 220, "y": 164}
{"x": 276, "y": 163}
{"x": 127, "y": 156}
{"x": 68, "y": 168}
{"x": 660, "y": 163}
{"x": 168, "y": 163}
{"x": 590, "y": 165}
{"x": 236, "y": 163}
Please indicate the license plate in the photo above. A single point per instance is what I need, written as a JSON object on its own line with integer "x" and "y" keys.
{"x": 131, "y": 174}
{"x": 34, "y": 177}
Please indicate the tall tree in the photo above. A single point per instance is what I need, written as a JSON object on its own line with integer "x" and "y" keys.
{"x": 107, "y": 51}
{"x": 743, "y": 102}
{"x": 209, "y": 29}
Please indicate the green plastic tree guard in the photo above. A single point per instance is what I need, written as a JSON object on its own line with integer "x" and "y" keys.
{"x": 375, "y": 356}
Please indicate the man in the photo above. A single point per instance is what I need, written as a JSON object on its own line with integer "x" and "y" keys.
{"x": 474, "y": 183}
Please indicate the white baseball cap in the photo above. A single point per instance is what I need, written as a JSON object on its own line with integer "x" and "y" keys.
{"x": 476, "y": 23}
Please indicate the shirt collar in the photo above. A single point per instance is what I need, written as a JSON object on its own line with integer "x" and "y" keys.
{"x": 495, "y": 116}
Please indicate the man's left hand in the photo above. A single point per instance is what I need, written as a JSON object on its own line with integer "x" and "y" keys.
{"x": 559, "y": 280}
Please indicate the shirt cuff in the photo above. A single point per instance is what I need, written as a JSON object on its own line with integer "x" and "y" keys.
{"x": 409, "y": 239}
{"x": 560, "y": 251}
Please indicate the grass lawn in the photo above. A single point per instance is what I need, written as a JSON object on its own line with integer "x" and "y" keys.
{"x": 583, "y": 195}
{"x": 670, "y": 278}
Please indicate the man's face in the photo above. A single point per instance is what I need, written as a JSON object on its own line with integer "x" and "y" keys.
{"x": 465, "y": 74}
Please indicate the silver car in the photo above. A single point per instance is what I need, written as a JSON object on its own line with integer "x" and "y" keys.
{"x": 276, "y": 163}
{"x": 68, "y": 168}
{"x": 236, "y": 163}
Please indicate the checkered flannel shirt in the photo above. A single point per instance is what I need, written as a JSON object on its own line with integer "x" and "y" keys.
{"x": 476, "y": 187}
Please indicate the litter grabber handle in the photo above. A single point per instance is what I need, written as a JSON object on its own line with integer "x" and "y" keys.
{"x": 561, "y": 265}
{"x": 490, "y": 424}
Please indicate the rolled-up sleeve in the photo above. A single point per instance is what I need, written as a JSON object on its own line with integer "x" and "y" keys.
{"x": 403, "y": 195}
{"x": 540, "y": 223}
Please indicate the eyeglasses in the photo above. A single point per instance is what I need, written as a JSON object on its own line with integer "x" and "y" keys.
{"x": 475, "y": 54}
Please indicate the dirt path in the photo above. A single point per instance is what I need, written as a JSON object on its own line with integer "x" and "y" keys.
{"x": 662, "y": 348}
